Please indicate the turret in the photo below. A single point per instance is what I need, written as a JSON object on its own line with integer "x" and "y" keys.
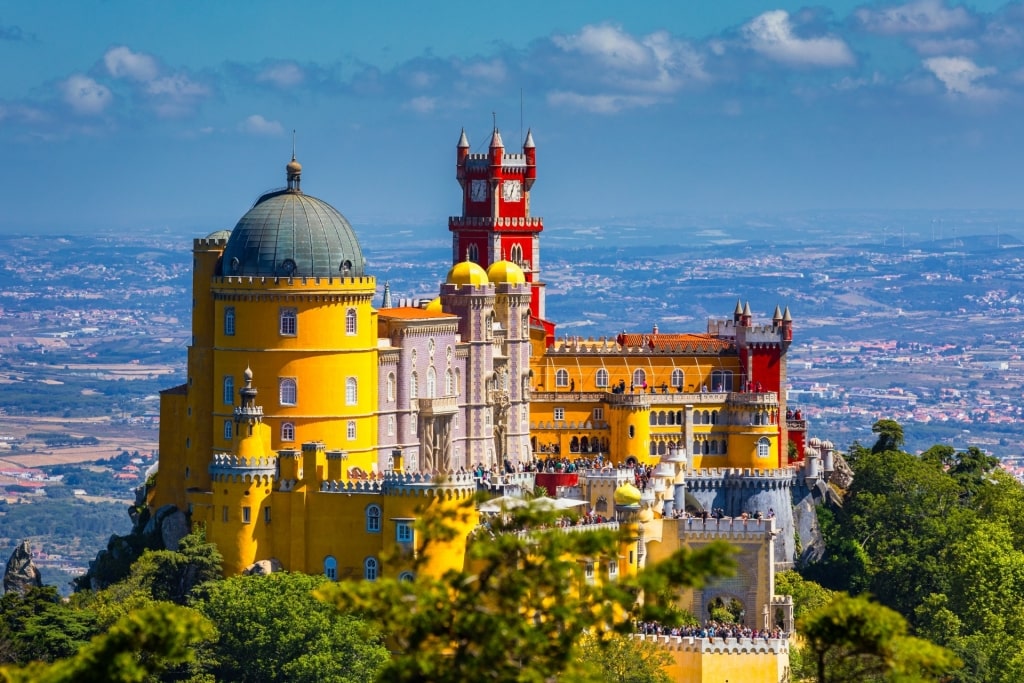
{"x": 497, "y": 154}
{"x": 737, "y": 314}
{"x": 530, "y": 150}
{"x": 777, "y": 317}
{"x": 462, "y": 151}
{"x": 746, "y": 317}
{"x": 787, "y": 326}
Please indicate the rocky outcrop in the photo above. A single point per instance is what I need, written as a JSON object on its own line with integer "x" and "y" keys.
{"x": 842, "y": 475}
{"x": 263, "y": 567}
{"x": 169, "y": 524}
{"x": 21, "y": 574}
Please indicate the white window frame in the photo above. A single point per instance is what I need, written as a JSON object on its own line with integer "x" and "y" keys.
{"x": 764, "y": 447}
{"x": 287, "y": 391}
{"x": 678, "y": 377}
{"x": 559, "y": 414}
{"x": 561, "y": 377}
{"x": 599, "y": 413}
{"x": 351, "y": 391}
{"x": 639, "y": 378}
{"x": 601, "y": 378}
{"x": 350, "y": 430}
{"x": 288, "y": 431}
{"x": 288, "y": 322}
{"x": 351, "y": 322}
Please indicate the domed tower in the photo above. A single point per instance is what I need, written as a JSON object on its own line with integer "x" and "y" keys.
{"x": 510, "y": 396}
{"x": 496, "y": 223}
{"x": 627, "y": 513}
{"x": 287, "y": 295}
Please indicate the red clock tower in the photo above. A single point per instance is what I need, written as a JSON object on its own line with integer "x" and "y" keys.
{"x": 495, "y": 224}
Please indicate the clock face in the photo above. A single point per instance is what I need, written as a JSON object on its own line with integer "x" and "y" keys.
{"x": 478, "y": 190}
{"x": 512, "y": 190}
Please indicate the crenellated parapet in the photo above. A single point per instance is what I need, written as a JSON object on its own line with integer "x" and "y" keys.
{"x": 490, "y": 222}
{"x": 718, "y": 477}
{"x": 209, "y": 243}
{"x": 228, "y": 468}
{"x": 772, "y": 646}
{"x": 725, "y": 529}
{"x": 415, "y": 484}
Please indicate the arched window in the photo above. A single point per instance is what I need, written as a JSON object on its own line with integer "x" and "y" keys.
{"x": 431, "y": 382}
{"x": 725, "y": 447}
{"x": 227, "y": 430}
{"x": 288, "y": 431}
{"x": 639, "y": 377}
{"x": 654, "y": 448}
{"x": 406, "y": 576}
{"x": 562, "y": 378}
{"x": 677, "y": 379}
{"x": 414, "y": 389}
{"x": 602, "y": 378}
{"x": 714, "y": 447}
{"x": 351, "y": 391}
{"x": 707, "y": 417}
{"x": 351, "y": 430}
{"x": 288, "y": 392}
{"x": 714, "y": 417}
{"x": 654, "y": 418}
{"x": 391, "y": 386}
{"x": 516, "y": 255}
{"x": 661, "y": 418}
{"x": 449, "y": 383}
{"x": 473, "y": 253}
{"x": 229, "y": 321}
{"x": 370, "y": 569}
{"x": 229, "y": 390}
{"x": 350, "y": 321}
{"x": 289, "y": 324}
{"x": 764, "y": 447}
{"x": 373, "y": 519}
{"x": 391, "y": 425}
{"x": 331, "y": 568}
{"x": 458, "y": 382}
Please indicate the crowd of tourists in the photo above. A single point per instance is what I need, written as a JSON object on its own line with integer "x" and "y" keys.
{"x": 710, "y": 629}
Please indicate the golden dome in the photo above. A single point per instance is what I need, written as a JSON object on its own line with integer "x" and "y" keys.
{"x": 467, "y": 273}
{"x": 507, "y": 272}
{"x": 293, "y": 167}
{"x": 435, "y": 305}
{"x": 627, "y": 494}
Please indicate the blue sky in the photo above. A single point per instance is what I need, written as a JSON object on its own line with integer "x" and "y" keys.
{"x": 134, "y": 114}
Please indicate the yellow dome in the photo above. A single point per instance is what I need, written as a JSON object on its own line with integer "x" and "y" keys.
{"x": 506, "y": 271}
{"x": 467, "y": 273}
{"x": 435, "y": 305}
{"x": 627, "y": 494}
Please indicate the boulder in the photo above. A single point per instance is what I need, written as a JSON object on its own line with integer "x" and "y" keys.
{"x": 174, "y": 528}
{"x": 21, "y": 574}
{"x": 263, "y": 567}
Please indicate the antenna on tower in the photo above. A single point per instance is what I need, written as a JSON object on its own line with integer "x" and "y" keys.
{"x": 520, "y": 116}
{"x": 293, "y": 144}
{"x": 494, "y": 117}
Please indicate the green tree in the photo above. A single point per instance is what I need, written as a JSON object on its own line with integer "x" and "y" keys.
{"x": 853, "y": 639}
{"x": 136, "y": 648}
{"x": 517, "y": 609}
{"x": 616, "y": 658}
{"x": 271, "y": 628}
{"x": 40, "y": 626}
{"x": 890, "y": 436}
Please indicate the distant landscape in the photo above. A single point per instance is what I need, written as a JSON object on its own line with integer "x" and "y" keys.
{"x": 911, "y": 316}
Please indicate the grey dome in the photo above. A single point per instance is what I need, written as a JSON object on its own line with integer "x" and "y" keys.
{"x": 287, "y": 233}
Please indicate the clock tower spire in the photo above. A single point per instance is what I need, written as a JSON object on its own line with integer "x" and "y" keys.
{"x": 496, "y": 223}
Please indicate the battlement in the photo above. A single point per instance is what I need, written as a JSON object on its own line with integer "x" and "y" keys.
{"x": 773, "y": 646}
{"x": 209, "y": 243}
{"x": 608, "y": 475}
{"x": 418, "y": 483}
{"x": 490, "y": 222}
{"x": 226, "y": 467}
{"x": 725, "y": 528}
{"x": 711, "y": 478}
{"x": 298, "y": 283}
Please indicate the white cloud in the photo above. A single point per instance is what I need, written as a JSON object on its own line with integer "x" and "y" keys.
{"x": 599, "y": 104}
{"x": 923, "y": 16}
{"x": 85, "y": 95}
{"x": 655, "y": 63}
{"x": 258, "y": 125}
{"x": 960, "y": 75}
{"x": 422, "y": 105}
{"x": 771, "y": 34}
{"x": 121, "y": 62}
{"x": 493, "y": 71}
{"x": 175, "y": 95}
{"x": 283, "y": 75}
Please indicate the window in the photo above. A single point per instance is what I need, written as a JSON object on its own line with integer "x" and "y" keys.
{"x": 449, "y": 383}
{"x": 613, "y": 569}
{"x": 677, "y": 379}
{"x": 266, "y": 514}
{"x": 351, "y": 431}
{"x": 406, "y": 576}
{"x": 589, "y": 570}
{"x": 458, "y": 382}
{"x": 516, "y": 255}
{"x": 414, "y": 390}
{"x": 391, "y": 425}
{"x": 224, "y": 513}
{"x": 559, "y": 414}
{"x": 246, "y": 514}
{"x": 721, "y": 380}
{"x": 288, "y": 392}
{"x": 391, "y": 386}
{"x": 473, "y": 254}
{"x": 373, "y": 519}
{"x": 370, "y": 569}
{"x": 764, "y": 447}
{"x": 350, "y": 321}
{"x": 229, "y": 390}
{"x": 632, "y": 431}
{"x": 598, "y": 413}
{"x": 639, "y": 378}
{"x": 227, "y": 430}
{"x": 288, "y": 431}
{"x": 351, "y": 392}
{"x": 331, "y": 568}
{"x": 431, "y": 382}
{"x": 229, "y": 321}
{"x": 289, "y": 322}
{"x": 562, "y": 378}
{"x": 602, "y": 378}
{"x": 403, "y": 532}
